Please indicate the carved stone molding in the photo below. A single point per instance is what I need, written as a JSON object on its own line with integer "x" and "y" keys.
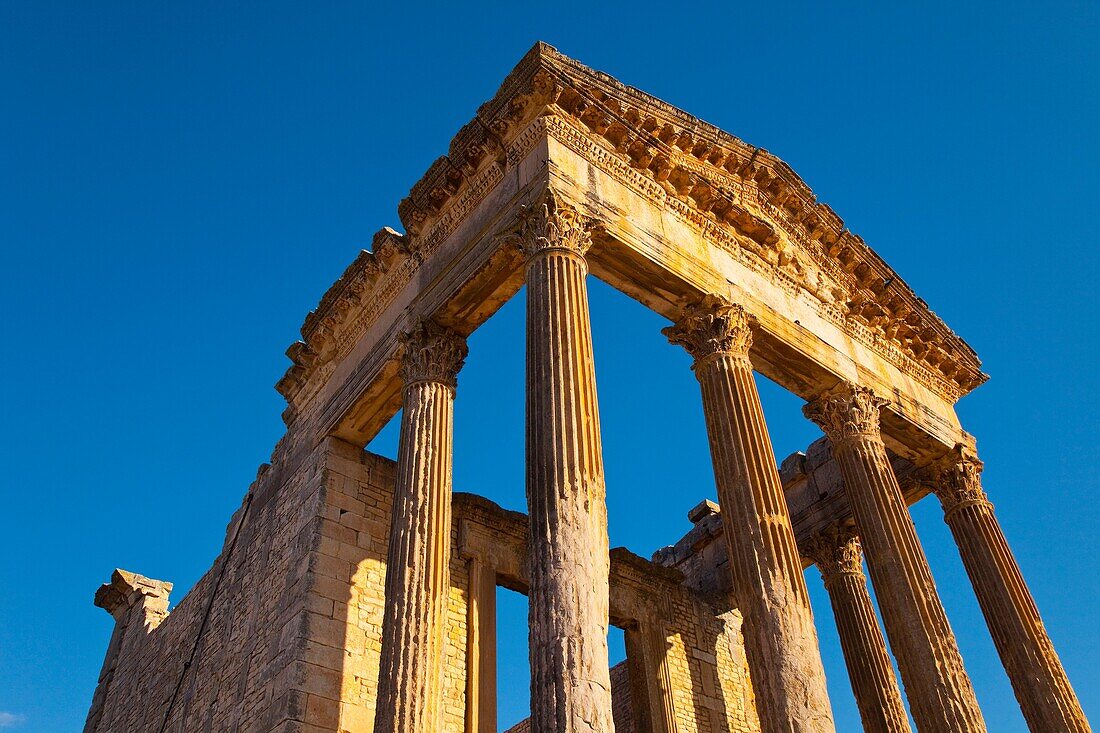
{"x": 721, "y": 179}
{"x": 550, "y": 224}
{"x": 847, "y": 412}
{"x": 957, "y": 480}
{"x": 712, "y": 326}
{"x": 432, "y": 353}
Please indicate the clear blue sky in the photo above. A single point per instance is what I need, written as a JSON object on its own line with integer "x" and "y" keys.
{"x": 179, "y": 183}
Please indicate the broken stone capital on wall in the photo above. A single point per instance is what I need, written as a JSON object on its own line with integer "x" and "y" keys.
{"x": 130, "y": 598}
{"x": 127, "y": 590}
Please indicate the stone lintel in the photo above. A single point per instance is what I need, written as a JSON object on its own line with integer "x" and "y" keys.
{"x": 673, "y": 147}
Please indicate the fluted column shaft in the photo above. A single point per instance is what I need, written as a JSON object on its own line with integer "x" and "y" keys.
{"x": 1042, "y": 688}
{"x": 768, "y": 584}
{"x": 651, "y": 675}
{"x": 410, "y": 694}
{"x": 941, "y": 696}
{"x": 568, "y": 545}
{"x": 838, "y": 556}
{"x": 481, "y": 649}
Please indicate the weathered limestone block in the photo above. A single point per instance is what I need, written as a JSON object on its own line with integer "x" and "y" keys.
{"x": 941, "y": 697}
{"x": 768, "y": 584}
{"x": 568, "y": 546}
{"x": 1038, "y": 679}
{"x": 838, "y": 556}
{"x": 128, "y": 592}
{"x": 410, "y": 693}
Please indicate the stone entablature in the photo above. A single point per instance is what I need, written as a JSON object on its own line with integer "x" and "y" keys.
{"x": 739, "y": 197}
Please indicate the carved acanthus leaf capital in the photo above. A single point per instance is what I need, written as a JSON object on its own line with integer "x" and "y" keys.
{"x": 846, "y": 412}
{"x": 548, "y": 224}
{"x": 957, "y": 479}
{"x": 432, "y": 353}
{"x": 712, "y": 326}
{"x": 835, "y": 550}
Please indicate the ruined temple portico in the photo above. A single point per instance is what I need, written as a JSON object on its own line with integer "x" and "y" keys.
{"x": 354, "y": 593}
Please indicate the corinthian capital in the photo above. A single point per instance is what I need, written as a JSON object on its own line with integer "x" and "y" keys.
{"x": 432, "y": 354}
{"x": 712, "y": 326}
{"x": 848, "y": 411}
{"x": 957, "y": 479}
{"x": 551, "y": 224}
{"x": 836, "y": 551}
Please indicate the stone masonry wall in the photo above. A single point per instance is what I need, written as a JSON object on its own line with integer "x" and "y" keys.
{"x": 709, "y": 671}
{"x": 291, "y": 642}
{"x": 711, "y": 688}
{"x": 238, "y": 678}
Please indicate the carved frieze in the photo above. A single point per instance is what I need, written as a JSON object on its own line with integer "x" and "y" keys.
{"x": 695, "y": 163}
{"x": 805, "y": 268}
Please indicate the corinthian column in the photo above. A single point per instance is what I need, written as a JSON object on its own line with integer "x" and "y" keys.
{"x": 768, "y": 584}
{"x": 567, "y": 550}
{"x": 838, "y": 556}
{"x": 410, "y": 694}
{"x": 1040, "y": 683}
{"x": 941, "y": 697}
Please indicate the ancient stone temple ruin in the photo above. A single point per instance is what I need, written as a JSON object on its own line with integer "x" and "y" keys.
{"x": 357, "y": 594}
